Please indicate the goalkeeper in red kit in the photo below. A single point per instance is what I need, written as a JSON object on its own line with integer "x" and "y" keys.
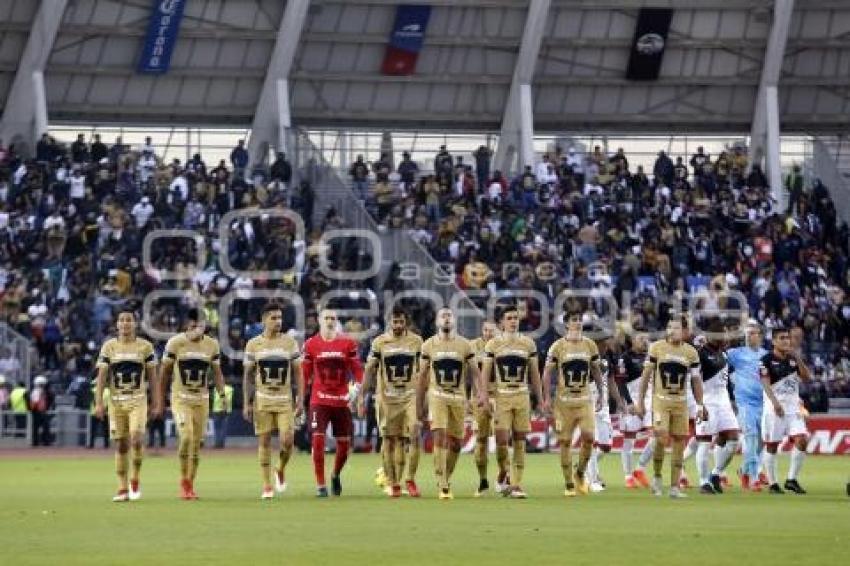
{"x": 330, "y": 362}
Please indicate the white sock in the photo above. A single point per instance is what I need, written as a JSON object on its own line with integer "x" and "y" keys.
{"x": 646, "y": 454}
{"x": 690, "y": 449}
{"x": 702, "y": 462}
{"x": 797, "y": 457}
{"x": 593, "y": 466}
{"x": 725, "y": 455}
{"x": 769, "y": 461}
{"x": 626, "y": 455}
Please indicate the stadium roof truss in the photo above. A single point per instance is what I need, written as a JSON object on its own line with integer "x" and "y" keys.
{"x": 709, "y": 78}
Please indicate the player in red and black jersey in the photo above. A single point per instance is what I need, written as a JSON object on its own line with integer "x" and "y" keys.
{"x": 330, "y": 362}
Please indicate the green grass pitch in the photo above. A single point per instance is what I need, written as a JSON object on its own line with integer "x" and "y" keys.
{"x": 56, "y": 510}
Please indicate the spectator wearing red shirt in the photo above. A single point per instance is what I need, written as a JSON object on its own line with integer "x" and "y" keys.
{"x": 330, "y": 361}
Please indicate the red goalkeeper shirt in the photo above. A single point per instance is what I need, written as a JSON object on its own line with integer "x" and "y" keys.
{"x": 328, "y": 366}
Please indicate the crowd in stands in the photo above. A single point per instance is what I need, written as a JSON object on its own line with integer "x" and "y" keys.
{"x": 588, "y": 220}
{"x": 73, "y": 223}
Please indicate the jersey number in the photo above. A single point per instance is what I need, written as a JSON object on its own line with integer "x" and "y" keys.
{"x": 399, "y": 368}
{"x": 127, "y": 375}
{"x": 512, "y": 369}
{"x": 448, "y": 372}
{"x": 672, "y": 376}
{"x": 576, "y": 373}
{"x": 193, "y": 373}
{"x": 274, "y": 372}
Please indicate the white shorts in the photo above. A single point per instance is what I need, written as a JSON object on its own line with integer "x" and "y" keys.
{"x": 692, "y": 405}
{"x": 721, "y": 418}
{"x": 604, "y": 432}
{"x": 775, "y": 429}
{"x": 633, "y": 423}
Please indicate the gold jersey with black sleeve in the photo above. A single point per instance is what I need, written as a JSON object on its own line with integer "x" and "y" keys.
{"x": 126, "y": 365}
{"x": 478, "y": 346}
{"x": 511, "y": 358}
{"x": 574, "y": 359}
{"x": 671, "y": 365}
{"x": 271, "y": 361}
{"x": 447, "y": 360}
{"x": 192, "y": 362}
{"x": 396, "y": 360}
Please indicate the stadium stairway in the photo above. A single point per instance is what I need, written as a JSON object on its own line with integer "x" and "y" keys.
{"x": 831, "y": 164}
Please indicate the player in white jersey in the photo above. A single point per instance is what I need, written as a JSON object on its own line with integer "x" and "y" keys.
{"x": 722, "y": 424}
{"x": 628, "y": 372}
{"x": 603, "y": 432}
{"x": 781, "y": 372}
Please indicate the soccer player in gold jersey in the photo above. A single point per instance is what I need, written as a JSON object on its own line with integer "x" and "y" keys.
{"x": 125, "y": 365}
{"x": 447, "y": 363}
{"x": 673, "y": 365}
{"x": 394, "y": 357}
{"x": 271, "y": 365}
{"x": 483, "y": 420}
{"x": 511, "y": 361}
{"x": 190, "y": 356}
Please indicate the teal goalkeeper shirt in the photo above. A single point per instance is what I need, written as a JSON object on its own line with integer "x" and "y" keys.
{"x": 745, "y": 361}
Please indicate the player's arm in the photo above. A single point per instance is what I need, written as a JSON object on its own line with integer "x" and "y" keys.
{"x": 100, "y": 384}
{"x": 802, "y": 369}
{"x": 478, "y": 379}
{"x": 422, "y": 384}
{"x": 649, "y": 367}
{"x": 152, "y": 371}
{"x": 549, "y": 370}
{"x": 697, "y": 387}
{"x": 534, "y": 374}
{"x": 768, "y": 390}
{"x": 614, "y": 391}
{"x": 299, "y": 383}
{"x": 596, "y": 373}
{"x": 166, "y": 369}
{"x": 247, "y": 383}
{"x": 369, "y": 373}
{"x": 218, "y": 377}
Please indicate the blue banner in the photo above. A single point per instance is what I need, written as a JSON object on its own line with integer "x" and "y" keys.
{"x": 409, "y": 29}
{"x": 163, "y": 28}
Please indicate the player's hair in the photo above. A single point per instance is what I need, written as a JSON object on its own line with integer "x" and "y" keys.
{"x": 193, "y": 314}
{"x": 573, "y": 312}
{"x": 682, "y": 319}
{"x": 127, "y": 310}
{"x": 271, "y": 307}
{"x": 716, "y": 325}
{"x": 506, "y": 308}
{"x": 398, "y": 312}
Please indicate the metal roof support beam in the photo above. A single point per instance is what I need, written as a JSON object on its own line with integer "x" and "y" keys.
{"x": 762, "y": 147}
{"x": 515, "y": 135}
{"x": 272, "y": 118}
{"x": 25, "y": 115}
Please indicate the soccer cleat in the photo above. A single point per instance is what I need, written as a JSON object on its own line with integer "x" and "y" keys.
{"x": 641, "y": 478}
{"x": 707, "y": 489}
{"x": 724, "y": 480}
{"x": 655, "y": 488}
{"x": 793, "y": 485}
{"x": 336, "y": 486}
{"x": 395, "y": 491}
{"x": 676, "y": 493}
{"x": 756, "y": 487}
{"x": 763, "y": 479}
{"x": 745, "y": 481}
{"x": 631, "y": 482}
{"x": 187, "y": 493}
{"x": 774, "y": 489}
{"x": 684, "y": 483}
{"x": 135, "y": 492}
{"x": 387, "y": 489}
{"x": 597, "y": 487}
{"x": 848, "y": 489}
{"x": 121, "y": 496}
{"x": 518, "y": 493}
{"x": 569, "y": 490}
{"x": 503, "y": 483}
{"x": 483, "y": 487}
{"x": 717, "y": 483}
{"x": 581, "y": 485}
{"x": 380, "y": 478}
{"x": 446, "y": 494}
{"x": 411, "y": 488}
{"x": 268, "y": 493}
{"x": 279, "y": 481}
{"x": 321, "y": 491}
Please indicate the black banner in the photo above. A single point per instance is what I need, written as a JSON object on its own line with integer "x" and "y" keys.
{"x": 649, "y": 43}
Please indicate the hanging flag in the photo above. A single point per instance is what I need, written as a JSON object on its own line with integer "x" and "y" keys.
{"x": 163, "y": 28}
{"x": 406, "y": 40}
{"x": 648, "y": 44}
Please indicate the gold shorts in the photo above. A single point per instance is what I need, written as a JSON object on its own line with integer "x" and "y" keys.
{"x": 397, "y": 418}
{"x": 512, "y": 412}
{"x": 482, "y": 421}
{"x": 447, "y": 414}
{"x": 570, "y": 416}
{"x": 191, "y": 420}
{"x": 126, "y": 421}
{"x": 278, "y": 418}
{"x": 670, "y": 417}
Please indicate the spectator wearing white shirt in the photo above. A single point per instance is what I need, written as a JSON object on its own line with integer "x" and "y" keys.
{"x": 78, "y": 186}
{"x": 146, "y": 166}
{"x": 179, "y": 188}
{"x": 142, "y": 212}
{"x": 542, "y": 171}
